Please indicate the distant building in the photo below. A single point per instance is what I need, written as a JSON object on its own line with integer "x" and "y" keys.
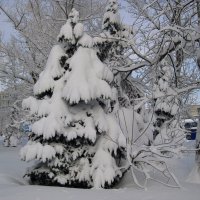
{"x": 193, "y": 110}
{"x": 6, "y": 99}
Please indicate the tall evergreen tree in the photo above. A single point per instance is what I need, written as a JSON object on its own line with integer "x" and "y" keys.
{"x": 74, "y": 139}
{"x": 166, "y": 106}
{"x": 113, "y": 46}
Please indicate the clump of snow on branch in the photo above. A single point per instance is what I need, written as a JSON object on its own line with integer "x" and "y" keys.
{"x": 85, "y": 80}
{"x": 111, "y": 16}
{"x": 51, "y": 71}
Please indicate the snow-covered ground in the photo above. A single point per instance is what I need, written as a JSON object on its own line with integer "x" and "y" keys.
{"x": 14, "y": 187}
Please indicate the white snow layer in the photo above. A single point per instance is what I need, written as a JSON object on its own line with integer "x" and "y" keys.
{"x": 86, "y": 80}
{"x": 39, "y": 107}
{"x": 194, "y": 176}
{"x": 31, "y": 104}
{"x": 87, "y": 131}
{"x": 86, "y": 41}
{"x": 111, "y": 16}
{"x": 74, "y": 16}
{"x": 56, "y": 110}
{"x": 51, "y": 71}
{"x": 103, "y": 169}
{"x": 14, "y": 141}
{"x": 131, "y": 124}
{"x": 78, "y": 30}
{"x": 13, "y": 187}
{"x": 47, "y": 126}
{"x": 37, "y": 151}
{"x": 66, "y": 32}
{"x": 114, "y": 136}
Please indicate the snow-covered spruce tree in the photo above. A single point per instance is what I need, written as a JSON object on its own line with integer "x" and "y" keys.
{"x": 75, "y": 140}
{"x": 166, "y": 104}
{"x": 113, "y": 46}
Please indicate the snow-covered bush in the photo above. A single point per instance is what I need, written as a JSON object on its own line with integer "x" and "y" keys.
{"x": 75, "y": 139}
{"x": 156, "y": 134}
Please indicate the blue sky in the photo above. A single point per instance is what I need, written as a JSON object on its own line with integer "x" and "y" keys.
{"x": 6, "y": 28}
